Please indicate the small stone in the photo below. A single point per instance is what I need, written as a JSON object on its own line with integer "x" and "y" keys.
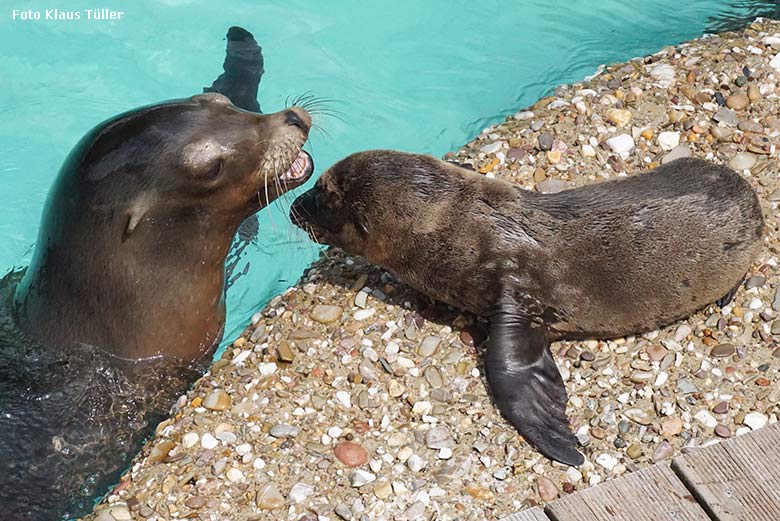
{"x": 429, "y": 345}
{"x": 722, "y": 350}
{"x": 639, "y": 416}
{"x": 677, "y": 152}
{"x": 551, "y": 186}
{"x": 726, "y": 116}
{"x": 480, "y": 493}
{"x": 545, "y": 141}
{"x": 753, "y": 92}
{"x": 217, "y": 400}
{"x": 160, "y": 451}
{"x": 119, "y": 513}
{"x": 344, "y": 399}
{"x": 285, "y": 352}
{"x": 671, "y": 427}
{"x": 668, "y": 140}
{"x": 383, "y": 490}
{"x": 363, "y": 314}
{"x": 282, "y": 430}
{"x": 648, "y": 133}
{"x": 607, "y": 461}
{"x": 361, "y": 299}
{"x": 269, "y": 498}
{"x": 681, "y": 333}
{"x": 439, "y": 438}
{"x": 776, "y": 327}
{"x": 350, "y": 454}
{"x": 664, "y": 74}
{"x": 343, "y": 512}
{"x": 755, "y": 420}
{"x": 433, "y": 377}
{"x": 491, "y": 148}
{"x": 706, "y": 419}
{"x": 756, "y": 281}
{"x": 207, "y": 441}
{"x": 190, "y": 439}
{"x": 722, "y": 431}
{"x": 685, "y": 386}
{"x": 547, "y": 489}
{"x": 721, "y": 133}
{"x": 195, "y": 502}
{"x": 588, "y": 151}
{"x": 415, "y": 511}
{"x": 721, "y": 408}
{"x": 621, "y": 145}
{"x": 655, "y": 352}
{"x": 737, "y": 101}
{"x": 634, "y": 451}
{"x": 743, "y": 161}
{"x": 325, "y": 314}
{"x": 300, "y": 491}
{"x": 663, "y": 451}
{"x": 361, "y": 477}
{"x": 619, "y": 117}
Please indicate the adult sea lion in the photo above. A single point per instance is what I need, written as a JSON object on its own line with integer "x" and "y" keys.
{"x": 600, "y": 261}
{"x": 123, "y": 302}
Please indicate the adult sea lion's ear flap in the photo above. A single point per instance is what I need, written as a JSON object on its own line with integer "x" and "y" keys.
{"x": 526, "y": 384}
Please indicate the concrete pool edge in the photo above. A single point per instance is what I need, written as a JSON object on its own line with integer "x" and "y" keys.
{"x": 319, "y": 369}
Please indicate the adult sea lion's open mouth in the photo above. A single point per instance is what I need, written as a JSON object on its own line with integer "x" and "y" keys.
{"x": 300, "y": 169}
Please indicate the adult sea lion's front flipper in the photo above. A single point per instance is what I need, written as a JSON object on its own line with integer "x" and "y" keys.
{"x": 526, "y": 384}
{"x": 243, "y": 68}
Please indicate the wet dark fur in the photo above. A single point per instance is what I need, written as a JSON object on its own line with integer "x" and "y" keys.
{"x": 600, "y": 261}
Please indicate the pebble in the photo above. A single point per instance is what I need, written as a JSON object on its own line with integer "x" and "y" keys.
{"x": 663, "y": 451}
{"x": 723, "y": 350}
{"x": 634, "y": 451}
{"x": 677, "y": 152}
{"x": 755, "y": 420}
{"x": 300, "y": 491}
{"x": 359, "y": 478}
{"x": 207, "y": 441}
{"x": 668, "y": 140}
{"x": 344, "y": 399}
{"x": 551, "y": 186}
{"x": 268, "y": 497}
{"x": 655, "y": 352}
{"x": 439, "y": 438}
{"x": 217, "y": 400}
{"x": 545, "y": 141}
{"x": 160, "y": 451}
{"x": 491, "y": 148}
{"x": 607, "y": 461}
{"x": 326, "y": 314}
{"x": 350, "y": 454}
{"x": 619, "y": 117}
{"x": 743, "y": 161}
{"x": 196, "y": 502}
{"x": 664, "y": 74}
{"x": 727, "y": 117}
{"x": 639, "y": 416}
{"x": 737, "y": 101}
{"x": 722, "y": 431}
{"x": 283, "y": 430}
{"x": 343, "y": 512}
{"x": 775, "y": 327}
{"x": 706, "y": 419}
{"x": 622, "y": 145}
{"x": 190, "y": 439}
{"x": 671, "y": 426}
{"x": 363, "y": 314}
{"x": 429, "y": 345}
{"x": 547, "y": 489}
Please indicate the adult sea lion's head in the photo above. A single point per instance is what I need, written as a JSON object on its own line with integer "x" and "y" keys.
{"x": 198, "y": 155}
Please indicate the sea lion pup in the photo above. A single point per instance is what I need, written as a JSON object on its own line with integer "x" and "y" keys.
{"x": 600, "y": 261}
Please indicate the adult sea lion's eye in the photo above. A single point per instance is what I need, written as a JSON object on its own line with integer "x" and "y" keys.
{"x": 215, "y": 169}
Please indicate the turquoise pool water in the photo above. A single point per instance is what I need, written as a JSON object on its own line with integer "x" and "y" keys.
{"x": 413, "y": 75}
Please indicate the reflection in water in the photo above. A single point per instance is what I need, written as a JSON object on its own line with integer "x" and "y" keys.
{"x": 73, "y": 416}
{"x": 741, "y": 13}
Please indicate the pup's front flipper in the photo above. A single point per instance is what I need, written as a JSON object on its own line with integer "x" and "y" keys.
{"x": 526, "y": 384}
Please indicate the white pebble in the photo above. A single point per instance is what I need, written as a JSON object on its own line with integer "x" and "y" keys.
{"x": 235, "y": 475}
{"x": 607, "y": 461}
{"x": 190, "y": 439}
{"x": 775, "y": 62}
{"x": 621, "y": 145}
{"x": 208, "y": 441}
{"x": 361, "y": 477}
{"x": 363, "y": 314}
{"x": 344, "y": 399}
{"x": 706, "y": 419}
{"x": 668, "y": 140}
{"x": 243, "y": 449}
{"x": 300, "y": 491}
{"x": 266, "y": 368}
{"x": 415, "y": 463}
{"x": 755, "y": 420}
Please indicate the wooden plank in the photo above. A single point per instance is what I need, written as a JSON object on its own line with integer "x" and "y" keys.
{"x": 738, "y": 479}
{"x": 531, "y": 514}
{"x": 652, "y": 494}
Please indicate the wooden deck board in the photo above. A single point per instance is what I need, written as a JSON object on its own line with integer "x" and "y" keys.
{"x": 738, "y": 479}
{"x": 652, "y": 494}
{"x": 532, "y": 514}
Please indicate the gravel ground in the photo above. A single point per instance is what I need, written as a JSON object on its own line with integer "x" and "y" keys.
{"x": 353, "y": 397}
